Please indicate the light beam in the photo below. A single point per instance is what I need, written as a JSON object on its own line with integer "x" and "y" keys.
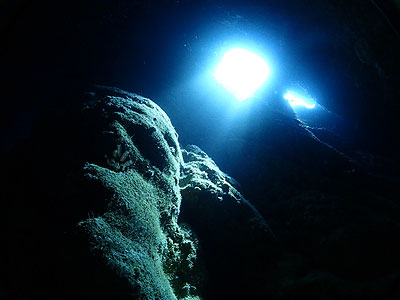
{"x": 296, "y": 100}
{"x": 241, "y": 72}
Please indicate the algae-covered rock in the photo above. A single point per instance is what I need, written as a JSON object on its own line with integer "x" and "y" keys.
{"x": 122, "y": 212}
{"x": 139, "y": 167}
{"x": 236, "y": 242}
{"x": 205, "y": 186}
{"x": 145, "y": 177}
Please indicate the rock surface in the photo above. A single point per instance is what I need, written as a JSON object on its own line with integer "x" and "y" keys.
{"x": 138, "y": 234}
{"x": 111, "y": 188}
{"x": 104, "y": 203}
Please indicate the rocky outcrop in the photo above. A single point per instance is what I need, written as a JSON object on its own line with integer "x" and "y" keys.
{"x": 103, "y": 203}
{"x": 138, "y": 234}
{"x": 147, "y": 176}
{"x": 112, "y": 184}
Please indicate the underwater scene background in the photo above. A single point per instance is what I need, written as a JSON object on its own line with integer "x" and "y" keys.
{"x": 130, "y": 172}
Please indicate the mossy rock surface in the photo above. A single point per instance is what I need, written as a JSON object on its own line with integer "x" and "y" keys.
{"x": 138, "y": 166}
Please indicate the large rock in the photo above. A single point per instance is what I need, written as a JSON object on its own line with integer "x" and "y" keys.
{"x": 104, "y": 203}
{"x": 138, "y": 166}
{"x": 236, "y": 242}
{"x": 109, "y": 187}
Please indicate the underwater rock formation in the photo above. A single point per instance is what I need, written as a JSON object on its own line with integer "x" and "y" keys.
{"x": 138, "y": 234}
{"x": 111, "y": 185}
{"x": 103, "y": 203}
{"x": 236, "y": 242}
{"x": 146, "y": 174}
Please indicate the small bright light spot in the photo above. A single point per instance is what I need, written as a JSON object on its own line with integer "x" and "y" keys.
{"x": 241, "y": 72}
{"x": 295, "y": 100}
